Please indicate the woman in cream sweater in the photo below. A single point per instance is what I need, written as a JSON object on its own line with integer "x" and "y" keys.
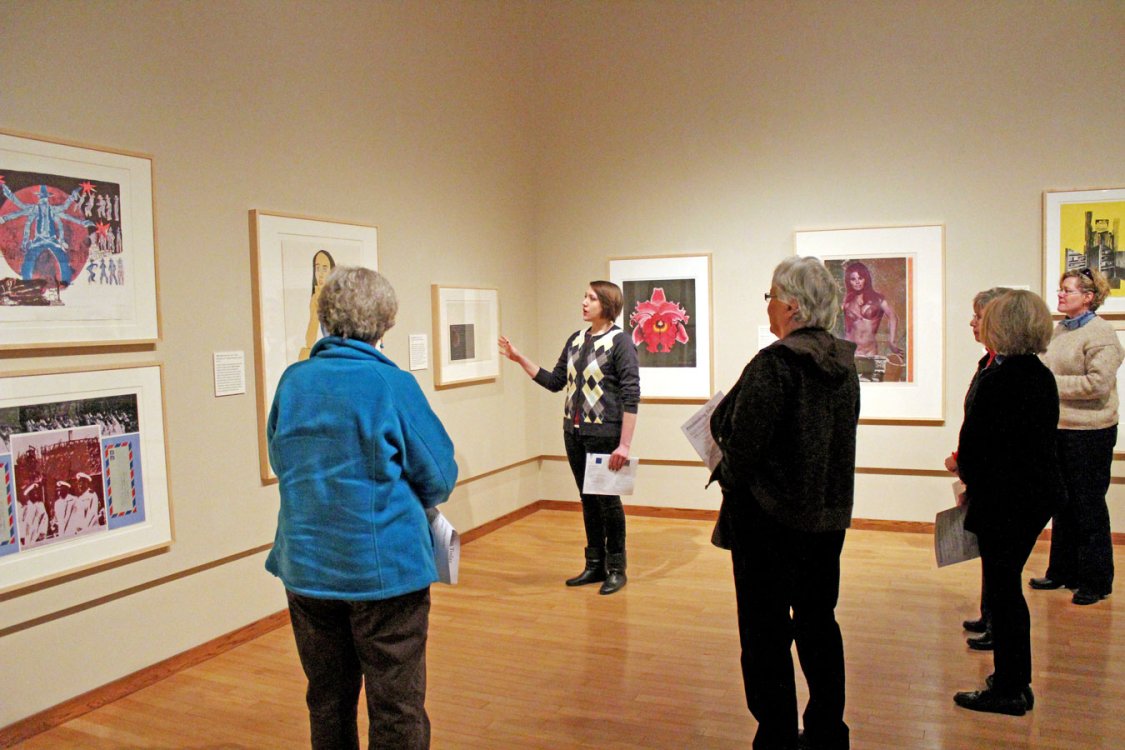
{"x": 1084, "y": 356}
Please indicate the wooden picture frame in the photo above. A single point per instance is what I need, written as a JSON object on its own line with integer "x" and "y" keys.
{"x": 892, "y": 292}
{"x": 83, "y": 461}
{"x": 668, "y": 313}
{"x": 1080, "y": 228}
{"x": 290, "y": 256}
{"x": 466, "y": 324}
{"x": 77, "y": 245}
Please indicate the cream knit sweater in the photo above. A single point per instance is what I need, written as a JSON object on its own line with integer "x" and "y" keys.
{"x": 1085, "y": 363}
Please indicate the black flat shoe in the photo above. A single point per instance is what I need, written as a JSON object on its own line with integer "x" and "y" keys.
{"x": 975, "y": 626}
{"x": 804, "y": 742}
{"x": 1084, "y": 597}
{"x": 1045, "y": 584}
{"x": 989, "y": 701}
{"x": 981, "y": 642}
{"x": 1028, "y": 696}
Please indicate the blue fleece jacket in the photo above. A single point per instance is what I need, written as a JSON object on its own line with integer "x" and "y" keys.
{"x": 359, "y": 456}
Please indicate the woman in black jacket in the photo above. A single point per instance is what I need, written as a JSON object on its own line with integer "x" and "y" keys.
{"x": 983, "y": 624}
{"x": 787, "y": 430}
{"x": 1007, "y": 460}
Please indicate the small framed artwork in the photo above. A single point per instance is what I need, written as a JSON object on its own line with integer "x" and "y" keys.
{"x": 84, "y": 471}
{"x": 290, "y": 259}
{"x": 667, "y": 312}
{"x": 466, "y": 326}
{"x": 78, "y": 246}
{"x": 891, "y": 307}
{"x": 1082, "y": 229}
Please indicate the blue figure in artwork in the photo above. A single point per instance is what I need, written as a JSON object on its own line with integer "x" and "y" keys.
{"x": 92, "y": 269}
{"x": 44, "y": 230}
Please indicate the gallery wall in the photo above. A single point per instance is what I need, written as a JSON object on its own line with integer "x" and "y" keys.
{"x": 725, "y": 127}
{"x": 518, "y": 145}
{"x": 406, "y": 116}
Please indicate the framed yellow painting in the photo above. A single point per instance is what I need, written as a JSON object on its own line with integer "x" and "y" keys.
{"x": 1082, "y": 229}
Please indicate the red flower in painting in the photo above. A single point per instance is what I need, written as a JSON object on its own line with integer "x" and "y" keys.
{"x": 659, "y": 323}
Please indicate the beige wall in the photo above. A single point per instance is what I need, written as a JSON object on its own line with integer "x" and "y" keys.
{"x": 408, "y": 116}
{"x": 724, "y": 127}
{"x": 518, "y": 145}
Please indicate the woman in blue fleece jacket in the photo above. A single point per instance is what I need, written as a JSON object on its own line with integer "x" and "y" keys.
{"x": 359, "y": 456}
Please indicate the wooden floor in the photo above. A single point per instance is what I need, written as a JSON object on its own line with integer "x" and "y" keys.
{"x": 517, "y": 660}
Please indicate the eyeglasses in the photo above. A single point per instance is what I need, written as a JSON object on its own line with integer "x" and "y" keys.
{"x": 1070, "y": 291}
{"x": 769, "y": 296}
{"x": 1087, "y": 273}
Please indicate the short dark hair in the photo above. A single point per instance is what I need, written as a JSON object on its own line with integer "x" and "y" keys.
{"x": 981, "y": 300}
{"x": 609, "y": 294}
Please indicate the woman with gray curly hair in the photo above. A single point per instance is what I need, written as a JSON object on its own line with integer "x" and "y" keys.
{"x": 360, "y": 457}
{"x": 787, "y": 431}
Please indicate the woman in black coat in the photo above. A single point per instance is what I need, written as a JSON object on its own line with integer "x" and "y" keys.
{"x": 1007, "y": 460}
{"x": 983, "y": 624}
{"x": 787, "y": 430}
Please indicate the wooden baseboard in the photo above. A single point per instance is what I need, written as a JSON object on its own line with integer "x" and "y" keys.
{"x": 700, "y": 514}
{"x": 696, "y": 514}
{"x": 22, "y": 730}
{"x": 82, "y": 704}
{"x": 498, "y": 523}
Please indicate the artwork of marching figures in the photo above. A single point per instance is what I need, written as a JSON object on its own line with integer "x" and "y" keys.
{"x": 83, "y": 471}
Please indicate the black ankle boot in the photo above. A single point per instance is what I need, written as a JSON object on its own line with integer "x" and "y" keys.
{"x": 615, "y": 573}
{"x": 595, "y": 568}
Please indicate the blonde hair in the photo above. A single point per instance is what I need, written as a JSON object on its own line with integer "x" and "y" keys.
{"x": 1016, "y": 322}
{"x": 1089, "y": 280}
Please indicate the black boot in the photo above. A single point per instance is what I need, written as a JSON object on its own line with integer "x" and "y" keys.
{"x": 595, "y": 568}
{"x": 615, "y": 578}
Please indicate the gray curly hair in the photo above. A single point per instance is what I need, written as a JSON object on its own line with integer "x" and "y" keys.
{"x": 805, "y": 281}
{"x": 357, "y": 303}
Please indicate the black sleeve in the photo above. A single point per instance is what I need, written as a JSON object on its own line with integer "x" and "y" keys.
{"x": 555, "y": 380}
{"x": 747, "y": 424}
{"x": 628, "y": 372}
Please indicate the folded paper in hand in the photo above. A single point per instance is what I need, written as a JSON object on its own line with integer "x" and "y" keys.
{"x": 952, "y": 543}
{"x": 447, "y": 546}
{"x": 599, "y": 480}
{"x": 698, "y": 432}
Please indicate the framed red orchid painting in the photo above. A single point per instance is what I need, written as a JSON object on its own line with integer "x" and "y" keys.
{"x": 667, "y": 312}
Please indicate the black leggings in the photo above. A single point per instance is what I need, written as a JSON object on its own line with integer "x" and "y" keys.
{"x": 603, "y": 515}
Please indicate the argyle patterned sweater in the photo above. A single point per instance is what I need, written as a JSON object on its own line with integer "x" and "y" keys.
{"x": 601, "y": 379}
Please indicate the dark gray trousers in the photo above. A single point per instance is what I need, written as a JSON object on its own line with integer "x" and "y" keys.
{"x": 380, "y": 643}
